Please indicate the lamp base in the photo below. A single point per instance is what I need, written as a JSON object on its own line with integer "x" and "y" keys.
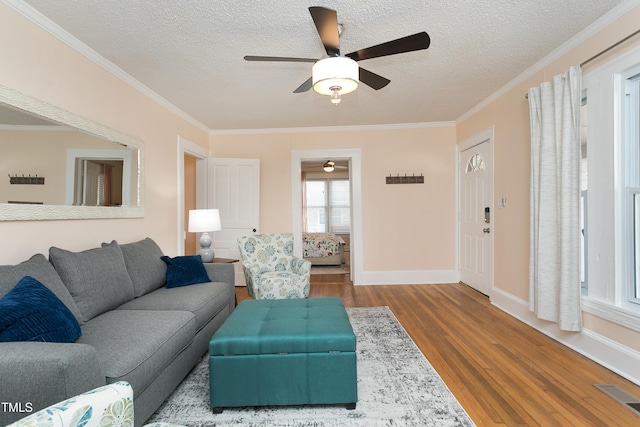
{"x": 205, "y": 251}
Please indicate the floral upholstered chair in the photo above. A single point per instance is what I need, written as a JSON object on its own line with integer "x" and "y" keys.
{"x": 271, "y": 271}
{"x": 109, "y": 405}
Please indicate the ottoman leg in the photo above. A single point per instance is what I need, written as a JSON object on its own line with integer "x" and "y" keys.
{"x": 217, "y": 410}
{"x": 351, "y": 406}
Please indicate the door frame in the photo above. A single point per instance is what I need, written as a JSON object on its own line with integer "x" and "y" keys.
{"x": 355, "y": 174}
{"x": 201, "y": 154}
{"x": 484, "y": 136}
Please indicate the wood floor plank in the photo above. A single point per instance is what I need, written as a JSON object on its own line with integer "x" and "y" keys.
{"x": 502, "y": 371}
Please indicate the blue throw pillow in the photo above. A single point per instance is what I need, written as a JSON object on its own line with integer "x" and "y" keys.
{"x": 31, "y": 312}
{"x": 185, "y": 270}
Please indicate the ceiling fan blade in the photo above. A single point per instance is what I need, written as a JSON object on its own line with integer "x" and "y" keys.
{"x": 304, "y": 86}
{"x": 278, "y": 59}
{"x": 326, "y": 21}
{"x": 373, "y": 80}
{"x": 410, "y": 43}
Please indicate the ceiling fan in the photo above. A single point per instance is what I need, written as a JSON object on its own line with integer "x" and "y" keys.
{"x": 326, "y": 166}
{"x": 337, "y": 75}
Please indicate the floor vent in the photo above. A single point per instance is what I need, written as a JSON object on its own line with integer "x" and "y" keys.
{"x": 629, "y": 401}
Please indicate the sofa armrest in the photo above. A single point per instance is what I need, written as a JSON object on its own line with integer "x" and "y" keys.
{"x": 36, "y": 375}
{"x": 223, "y": 272}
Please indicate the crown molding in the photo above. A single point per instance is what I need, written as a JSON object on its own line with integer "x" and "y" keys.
{"x": 355, "y": 128}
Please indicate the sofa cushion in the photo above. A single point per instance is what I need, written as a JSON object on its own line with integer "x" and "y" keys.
{"x": 185, "y": 271}
{"x": 31, "y": 312}
{"x": 135, "y": 345}
{"x": 40, "y": 269}
{"x": 205, "y": 300}
{"x": 96, "y": 278}
{"x": 147, "y": 271}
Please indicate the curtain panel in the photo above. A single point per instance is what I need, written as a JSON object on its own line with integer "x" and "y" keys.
{"x": 554, "y": 257}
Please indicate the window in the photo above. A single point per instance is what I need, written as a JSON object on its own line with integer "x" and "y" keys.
{"x": 316, "y": 204}
{"x": 339, "y": 206}
{"x": 328, "y": 206}
{"x": 612, "y": 215}
{"x": 584, "y": 230}
{"x": 630, "y": 170}
{"x": 475, "y": 164}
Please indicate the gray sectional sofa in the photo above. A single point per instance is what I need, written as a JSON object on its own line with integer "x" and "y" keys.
{"x": 133, "y": 327}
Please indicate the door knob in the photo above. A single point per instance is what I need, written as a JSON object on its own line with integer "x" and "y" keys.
{"x": 486, "y": 230}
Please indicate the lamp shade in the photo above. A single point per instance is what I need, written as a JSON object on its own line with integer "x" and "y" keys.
{"x": 337, "y": 73}
{"x": 202, "y": 220}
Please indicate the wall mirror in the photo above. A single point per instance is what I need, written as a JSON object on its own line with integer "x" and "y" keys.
{"x": 55, "y": 164}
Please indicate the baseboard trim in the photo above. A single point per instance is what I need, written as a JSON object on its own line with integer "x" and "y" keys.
{"x": 620, "y": 359}
{"x": 415, "y": 277}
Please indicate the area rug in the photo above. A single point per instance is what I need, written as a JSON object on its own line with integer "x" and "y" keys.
{"x": 397, "y": 386}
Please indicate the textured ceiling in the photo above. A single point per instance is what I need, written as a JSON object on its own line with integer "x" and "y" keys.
{"x": 190, "y": 52}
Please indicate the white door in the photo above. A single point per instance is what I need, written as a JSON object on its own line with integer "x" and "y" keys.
{"x": 476, "y": 216}
{"x": 234, "y": 189}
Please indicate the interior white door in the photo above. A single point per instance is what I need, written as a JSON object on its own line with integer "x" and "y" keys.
{"x": 476, "y": 217}
{"x": 234, "y": 189}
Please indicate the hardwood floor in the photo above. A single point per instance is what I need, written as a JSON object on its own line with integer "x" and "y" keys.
{"x": 502, "y": 371}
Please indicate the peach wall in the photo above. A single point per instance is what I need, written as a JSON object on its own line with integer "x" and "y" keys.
{"x": 39, "y": 65}
{"x": 509, "y": 114}
{"x": 405, "y": 227}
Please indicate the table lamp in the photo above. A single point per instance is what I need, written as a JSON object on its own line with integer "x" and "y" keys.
{"x": 203, "y": 221}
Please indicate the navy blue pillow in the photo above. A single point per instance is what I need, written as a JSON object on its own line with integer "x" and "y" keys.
{"x": 185, "y": 270}
{"x": 31, "y": 312}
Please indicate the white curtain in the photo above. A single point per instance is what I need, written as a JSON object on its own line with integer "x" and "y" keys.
{"x": 554, "y": 257}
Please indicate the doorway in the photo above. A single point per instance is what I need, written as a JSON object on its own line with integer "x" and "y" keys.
{"x": 353, "y": 157}
{"x": 326, "y": 212}
{"x": 99, "y": 177}
{"x": 190, "y": 184}
{"x": 190, "y": 152}
{"x": 476, "y": 218}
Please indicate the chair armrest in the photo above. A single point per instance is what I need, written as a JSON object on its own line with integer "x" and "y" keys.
{"x": 300, "y": 266}
{"x": 251, "y": 277}
{"x": 40, "y": 374}
{"x": 107, "y": 405}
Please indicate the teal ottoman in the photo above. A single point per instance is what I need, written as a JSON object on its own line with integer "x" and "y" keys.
{"x": 284, "y": 352}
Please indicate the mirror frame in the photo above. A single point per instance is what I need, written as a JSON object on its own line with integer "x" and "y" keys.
{"x": 19, "y": 212}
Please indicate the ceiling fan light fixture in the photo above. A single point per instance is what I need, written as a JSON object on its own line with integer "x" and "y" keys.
{"x": 329, "y": 166}
{"x": 335, "y": 76}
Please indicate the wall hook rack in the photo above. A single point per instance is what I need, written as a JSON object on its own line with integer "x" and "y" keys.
{"x": 406, "y": 179}
{"x": 37, "y": 180}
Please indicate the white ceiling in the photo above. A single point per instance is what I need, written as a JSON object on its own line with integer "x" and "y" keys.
{"x": 190, "y": 52}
